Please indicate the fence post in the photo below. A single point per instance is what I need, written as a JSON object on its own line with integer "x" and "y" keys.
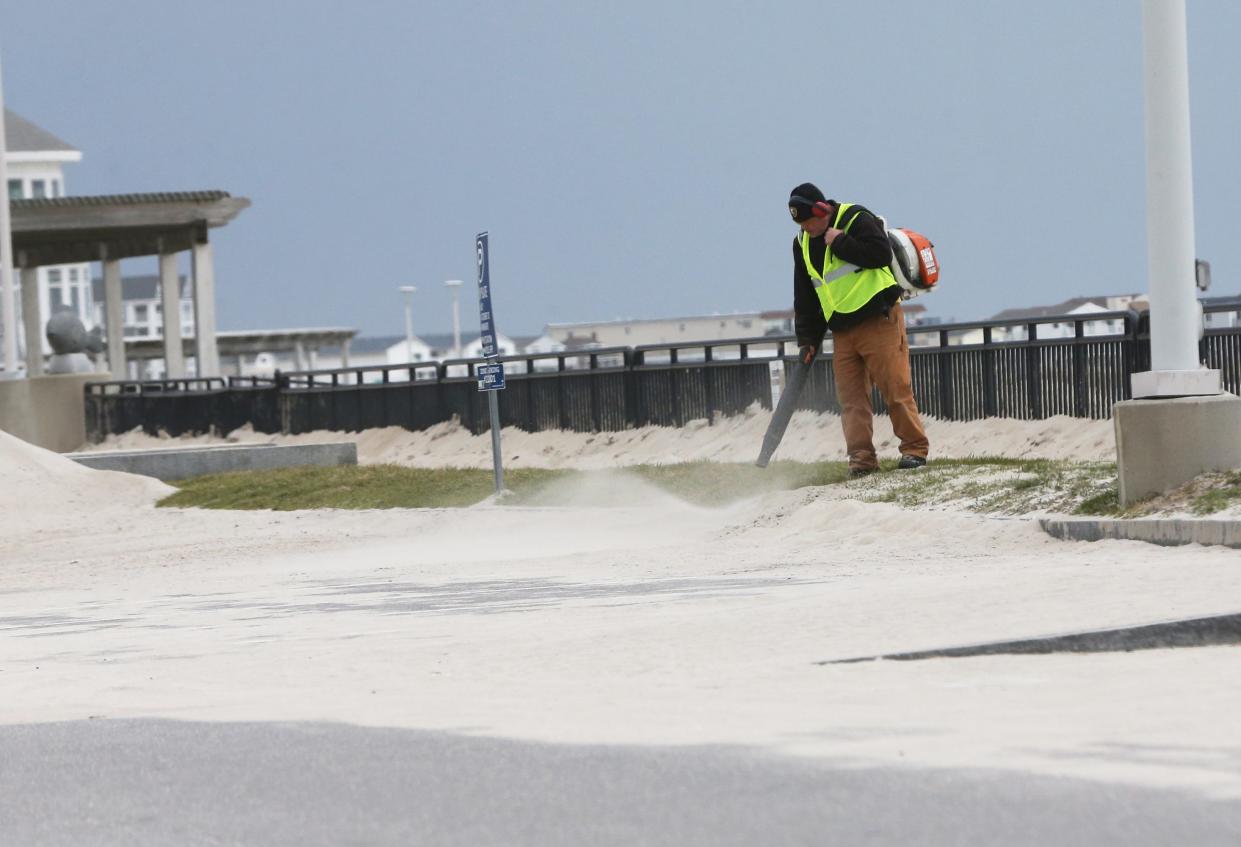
{"x": 530, "y": 384}
{"x": 946, "y": 405}
{"x": 990, "y": 402}
{"x": 1079, "y": 369}
{"x": 441, "y": 402}
{"x": 674, "y": 383}
{"x": 708, "y": 384}
{"x": 562, "y": 413}
{"x": 335, "y": 395}
{"x": 1034, "y": 372}
{"x": 282, "y": 402}
{"x": 594, "y": 393}
{"x": 1128, "y": 346}
{"x": 633, "y": 397}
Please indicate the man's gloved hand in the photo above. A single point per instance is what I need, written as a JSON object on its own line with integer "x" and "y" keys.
{"x": 806, "y": 353}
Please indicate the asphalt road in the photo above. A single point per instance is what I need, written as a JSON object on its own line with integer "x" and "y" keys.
{"x": 158, "y": 782}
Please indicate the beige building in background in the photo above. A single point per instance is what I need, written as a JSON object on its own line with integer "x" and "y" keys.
{"x": 636, "y": 332}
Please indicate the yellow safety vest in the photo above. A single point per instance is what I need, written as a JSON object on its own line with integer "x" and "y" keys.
{"x": 842, "y": 286}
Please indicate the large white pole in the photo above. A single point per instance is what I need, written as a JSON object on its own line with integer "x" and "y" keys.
{"x": 1169, "y": 206}
{"x": 455, "y": 285}
{"x": 408, "y": 291}
{"x": 8, "y": 300}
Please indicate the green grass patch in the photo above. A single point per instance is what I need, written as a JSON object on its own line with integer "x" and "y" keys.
{"x": 1106, "y": 502}
{"x": 1001, "y": 486}
{"x": 1221, "y": 497}
{"x": 395, "y": 487}
{"x": 348, "y": 487}
{"x": 986, "y": 485}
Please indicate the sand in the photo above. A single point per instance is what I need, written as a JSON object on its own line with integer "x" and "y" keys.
{"x": 652, "y": 622}
{"x": 810, "y": 437}
{"x": 38, "y": 483}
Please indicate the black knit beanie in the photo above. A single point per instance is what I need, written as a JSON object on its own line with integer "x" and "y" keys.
{"x": 802, "y": 200}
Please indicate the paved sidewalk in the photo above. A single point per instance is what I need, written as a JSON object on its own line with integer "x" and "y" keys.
{"x": 132, "y": 783}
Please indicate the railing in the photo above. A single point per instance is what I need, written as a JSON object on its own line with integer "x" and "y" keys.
{"x": 1075, "y": 365}
{"x": 534, "y": 364}
{"x": 1012, "y": 368}
{"x": 157, "y": 386}
{"x": 589, "y": 390}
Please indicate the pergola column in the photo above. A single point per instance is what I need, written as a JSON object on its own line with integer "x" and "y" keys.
{"x": 206, "y": 350}
{"x": 170, "y": 299}
{"x": 114, "y": 316}
{"x": 31, "y": 319}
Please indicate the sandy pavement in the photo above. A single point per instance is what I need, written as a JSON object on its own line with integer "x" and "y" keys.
{"x": 652, "y": 623}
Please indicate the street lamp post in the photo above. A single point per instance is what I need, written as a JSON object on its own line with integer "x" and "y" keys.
{"x": 1180, "y": 422}
{"x": 1175, "y": 320}
{"x": 408, "y": 291}
{"x": 455, "y": 285}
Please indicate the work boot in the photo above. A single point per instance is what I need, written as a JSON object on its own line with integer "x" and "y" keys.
{"x": 854, "y": 473}
{"x": 908, "y": 462}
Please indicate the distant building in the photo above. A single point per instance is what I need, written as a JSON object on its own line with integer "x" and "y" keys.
{"x": 777, "y": 322}
{"x": 636, "y": 332}
{"x": 1223, "y": 319}
{"x": 505, "y": 346}
{"x": 142, "y": 307}
{"x": 1103, "y": 303}
{"x": 1062, "y": 329}
{"x": 36, "y": 161}
{"x": 405, "y": 350}
{"x": 545, "y": 343}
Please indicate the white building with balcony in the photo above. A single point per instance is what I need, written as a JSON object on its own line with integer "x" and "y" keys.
{"x": 36, "y": 161}
{"x": 142, "y": 307}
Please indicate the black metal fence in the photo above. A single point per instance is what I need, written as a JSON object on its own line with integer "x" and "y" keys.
{"x": 1076, "y": 365}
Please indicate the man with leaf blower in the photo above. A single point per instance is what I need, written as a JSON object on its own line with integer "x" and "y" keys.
{"x": 842, "y": 282}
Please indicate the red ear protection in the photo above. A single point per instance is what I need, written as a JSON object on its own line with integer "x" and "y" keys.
{"x": 817, "y": 207}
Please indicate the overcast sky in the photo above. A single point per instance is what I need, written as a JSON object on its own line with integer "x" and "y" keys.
{"x": 629, "y": 159}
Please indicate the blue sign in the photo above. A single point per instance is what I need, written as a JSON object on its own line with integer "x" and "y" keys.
{"x": 486, "y": 318}
{"x": 490, "y": 376}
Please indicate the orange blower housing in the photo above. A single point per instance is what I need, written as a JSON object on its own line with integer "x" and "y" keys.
{"x": 914, "y": 263}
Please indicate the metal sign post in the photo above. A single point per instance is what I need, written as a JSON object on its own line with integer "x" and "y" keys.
{"x": 491, "y": 374}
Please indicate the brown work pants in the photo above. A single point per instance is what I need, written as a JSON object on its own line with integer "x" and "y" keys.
{"x": 876, "y": 351}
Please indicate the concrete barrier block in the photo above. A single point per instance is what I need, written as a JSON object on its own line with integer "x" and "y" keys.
{"x": 184, "y": 463}
{"x": 47, "y": 411}
{"x": 1165, "y": 442}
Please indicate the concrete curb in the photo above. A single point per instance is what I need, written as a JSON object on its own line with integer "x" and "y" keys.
{"x": 1187, "y": 632}
{"x": 1168, "y": 532}
{"x": 174, "y": 464}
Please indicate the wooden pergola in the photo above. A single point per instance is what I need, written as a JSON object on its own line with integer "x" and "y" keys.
{"x": 109, "y": 228}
